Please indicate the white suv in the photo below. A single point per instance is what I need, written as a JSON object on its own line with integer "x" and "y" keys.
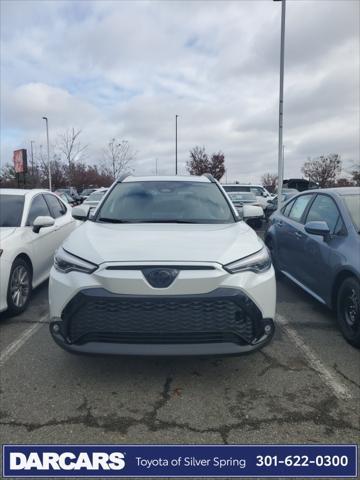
{"x": 262, "y": 195}
{"x": 164, "y": 266}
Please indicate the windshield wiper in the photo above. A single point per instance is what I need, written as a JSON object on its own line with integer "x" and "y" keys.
{"x": 113, "y": 220}
{"x": 165, "y": 221}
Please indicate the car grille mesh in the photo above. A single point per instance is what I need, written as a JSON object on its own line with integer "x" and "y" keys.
{"x": 187, "y": 319}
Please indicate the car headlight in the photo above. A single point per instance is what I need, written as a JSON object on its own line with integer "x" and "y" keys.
{"x": 257, "y": 262}
{"x": 65, "y": 262}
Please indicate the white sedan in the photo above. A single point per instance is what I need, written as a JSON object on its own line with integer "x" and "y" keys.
{"x": 33, "y": 224}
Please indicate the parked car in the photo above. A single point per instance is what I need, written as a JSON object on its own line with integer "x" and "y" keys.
{"x": 86, "y": 192}
{"x": 95, "y": 198}
{"x": 300, "y": 184}
{"x": 262, "y": 195}
{"x": 240, "y": 199}
{"x": 33, "y": 223}
{"x": 66, "y": 198}
{"x": 315, "y": 241}
{"x": 164, "y": 267}
{"x": 73, "y": 193}
{"x": 273, "y": 203}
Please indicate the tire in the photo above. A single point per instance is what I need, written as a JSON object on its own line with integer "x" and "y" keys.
{"x": 348, "y": 310}
{"x": 19, "y": 288}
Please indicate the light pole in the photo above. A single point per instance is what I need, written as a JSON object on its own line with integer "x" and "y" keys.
{"x": 48, "y": 149}
{"x": 281, "y": 103}
{"x": 32, "y": 157}
{"x": 176, "y": 158}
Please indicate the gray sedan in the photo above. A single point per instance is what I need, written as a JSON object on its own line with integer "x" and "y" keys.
{"x": 315, "y": 241}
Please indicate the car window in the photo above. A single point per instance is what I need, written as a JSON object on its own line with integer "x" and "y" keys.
{"x": 324, "y": 209}
{"x": 38, "y": 208}
{"x": 285, "y": 210}
{"x": 11, "y": 209}
{"x": 353, "y": 204}
{"x": 57, "y": 208}
{"x": 236, "y": 188}
{"x": 257, "y": 191}
{"x": 166, "y": 202}
{"x": 299, "y": 207}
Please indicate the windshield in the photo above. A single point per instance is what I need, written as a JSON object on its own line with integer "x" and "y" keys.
{"x": 95, "y": 197}
{"x": 166, "y": 202}
{"x": 11, "y": 209}
{"x": 353, "y": 204}
{"x": 242, "y": 197}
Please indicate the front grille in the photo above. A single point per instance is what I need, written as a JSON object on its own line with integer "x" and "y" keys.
{"x": 225, "y": 315}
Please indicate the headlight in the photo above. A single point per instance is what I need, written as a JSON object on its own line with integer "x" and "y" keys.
{"x": 65, "y": 262}
{"x": 257, "y": 262}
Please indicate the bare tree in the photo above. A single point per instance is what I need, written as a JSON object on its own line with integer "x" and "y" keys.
{"x": 269, "y": 181}
{"x": 70, "y": 146}
{"x": 323, "y": 170}
{"x": 118, "y": 157}
{"x": 356, "y": 174}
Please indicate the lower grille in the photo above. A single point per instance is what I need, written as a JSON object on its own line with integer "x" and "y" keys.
{"x": 224, "y": 315}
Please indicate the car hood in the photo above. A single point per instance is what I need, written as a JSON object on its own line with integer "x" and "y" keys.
{"x": 5, "y": 232}
{"x": 100, "y": 243}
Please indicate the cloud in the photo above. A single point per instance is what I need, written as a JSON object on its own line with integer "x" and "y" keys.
{"x": 124, "y": 69}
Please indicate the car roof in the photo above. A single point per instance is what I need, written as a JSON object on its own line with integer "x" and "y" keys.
{"x": 242, "y": 185}
{"x": 22, "y": 191}
{"x": 336, "y": 190}
{"x": 168, "y": 178}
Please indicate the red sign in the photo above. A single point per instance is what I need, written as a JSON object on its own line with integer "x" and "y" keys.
{"x": 20, "y": 161}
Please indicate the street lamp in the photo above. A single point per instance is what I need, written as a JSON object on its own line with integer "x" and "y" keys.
{"x": 48, "y": 149}
{"x": 176, "y": 156}
{"x": 281, "y": 103}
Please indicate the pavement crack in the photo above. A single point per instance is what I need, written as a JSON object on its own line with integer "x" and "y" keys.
{"x": 337, "y": 370}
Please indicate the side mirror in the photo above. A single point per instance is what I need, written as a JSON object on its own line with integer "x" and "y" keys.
{"x": 80, "y": 213}
{"x": 42, "y": 222}
{"x": 252, "y": 211}
{"x": 318, "y": 228}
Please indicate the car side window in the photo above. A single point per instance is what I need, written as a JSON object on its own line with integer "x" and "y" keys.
{"x": 56, "y": 207}
{"x": 38, "y": 208}
{"x": 285, "y": 211}
{"x": 324, "y": 209}
{"x": 299, "y": 207}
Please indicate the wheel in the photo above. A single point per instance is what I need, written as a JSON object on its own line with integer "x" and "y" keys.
{"x": 19, "y": 289}
{"x": 348, "y": 310}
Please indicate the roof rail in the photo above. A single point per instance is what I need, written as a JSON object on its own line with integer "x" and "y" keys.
{"x": 122, "y": 177}
{"x": 210, "y": 177}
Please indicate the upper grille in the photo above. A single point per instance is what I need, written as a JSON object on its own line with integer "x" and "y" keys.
{"x": 97, "y": 315}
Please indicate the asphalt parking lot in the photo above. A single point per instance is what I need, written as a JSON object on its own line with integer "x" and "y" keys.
{"x": 304, "y": 387}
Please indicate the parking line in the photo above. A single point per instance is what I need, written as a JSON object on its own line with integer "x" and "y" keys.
{"x": 327, "y": 375}
{"x": 11, "y": 349}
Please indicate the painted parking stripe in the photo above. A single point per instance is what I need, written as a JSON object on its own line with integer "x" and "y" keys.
{"x": 11, "y": 349}
{"x": 328, "y": 376}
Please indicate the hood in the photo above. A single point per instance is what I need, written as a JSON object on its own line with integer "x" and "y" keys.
{"x": 5, "y": 232}
{"x": 100, "y": 243}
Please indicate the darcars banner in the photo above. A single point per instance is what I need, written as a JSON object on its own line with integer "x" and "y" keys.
{"x": 179, "y": 461}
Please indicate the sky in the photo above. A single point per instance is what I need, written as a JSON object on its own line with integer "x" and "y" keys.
{"x": 124, "y": 69}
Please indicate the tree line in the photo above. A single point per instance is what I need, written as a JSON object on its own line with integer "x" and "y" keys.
{"x": 68, "y": 164}
{"x": 325, "y": 170}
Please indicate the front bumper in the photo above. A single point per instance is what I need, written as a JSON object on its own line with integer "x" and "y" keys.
{"x": 223, "y": 321}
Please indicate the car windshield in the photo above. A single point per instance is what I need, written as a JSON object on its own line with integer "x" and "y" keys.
{"x": 87, "y": 191}
{"x": 95, "y": 197}
{"x": 242, "y": 197}
{"x": 11, "y": 209}
{"x": 236, "y": 188}
{"x": 166, "y": 202}
{"x": 353, "y": 204}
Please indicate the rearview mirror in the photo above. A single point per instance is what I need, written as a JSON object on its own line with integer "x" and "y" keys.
{"x": 80, "y": 213}
{"x": 42, "y": 222}
{"x": 317, "y": 228}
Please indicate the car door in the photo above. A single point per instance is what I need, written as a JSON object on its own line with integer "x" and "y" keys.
{"x": 64, "y": 222}
{"x": 316, "y": 271}
{"x": 42, "y": 244}
{"x": 291, "y": 233}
